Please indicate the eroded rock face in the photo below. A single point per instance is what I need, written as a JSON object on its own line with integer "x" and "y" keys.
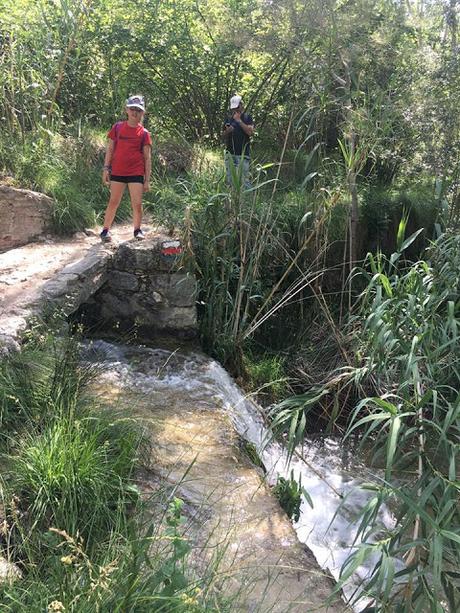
{"x": 24, "y": 215}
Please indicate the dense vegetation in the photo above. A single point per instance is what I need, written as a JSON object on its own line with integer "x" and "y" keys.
{"x": 357, "y": 149}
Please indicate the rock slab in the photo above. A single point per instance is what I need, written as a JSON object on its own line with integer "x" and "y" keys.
{"x": 24, "y": 215}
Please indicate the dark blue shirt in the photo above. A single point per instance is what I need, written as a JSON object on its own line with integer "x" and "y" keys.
{"x": 238, "y": 141}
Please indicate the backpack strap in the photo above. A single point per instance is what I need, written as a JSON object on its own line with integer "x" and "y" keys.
{"x": 144, "y": 138}
{"x": 117, "y": 132}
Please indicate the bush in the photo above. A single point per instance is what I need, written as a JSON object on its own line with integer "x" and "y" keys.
{"x": 74, "y": 474}
{"x": 382, "y": 209}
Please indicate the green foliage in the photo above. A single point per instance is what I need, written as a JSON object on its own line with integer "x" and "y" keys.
{"x": 251, "y": 250}
{"x": 396, "y": 65}
{"x": 406, "y": 339}
{"x": 289, "y": 493}
{"x": 382, "y": 209}
{"x": 60, "y": 453}
{"x": 411, "y": 348}
{"x": 41, "y": 382}
{"x": 71, "y": 462}
{"x": 266, "y": 375}
{"x": 140, "y": 567}
{"x": 251, "y": 452}
{"x": 172, "y": 572}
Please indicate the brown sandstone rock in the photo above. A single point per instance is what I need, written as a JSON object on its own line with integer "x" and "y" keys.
{"x": 24, "y": 215}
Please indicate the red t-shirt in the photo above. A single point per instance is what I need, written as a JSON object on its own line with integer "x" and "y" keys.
{"x": 128, "y": 156}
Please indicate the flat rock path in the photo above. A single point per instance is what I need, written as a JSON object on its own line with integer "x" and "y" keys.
{"x": 28, "y": 273}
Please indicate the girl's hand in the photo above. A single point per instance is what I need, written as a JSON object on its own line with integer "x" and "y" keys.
{"x": 146, "y": 186}
{"x": 106, "y": 177}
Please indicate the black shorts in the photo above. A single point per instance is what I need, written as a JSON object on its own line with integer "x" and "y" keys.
{"x": 133, "y": 179}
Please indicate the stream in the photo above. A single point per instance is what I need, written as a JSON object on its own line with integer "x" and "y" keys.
{"x": 196, "y": 413}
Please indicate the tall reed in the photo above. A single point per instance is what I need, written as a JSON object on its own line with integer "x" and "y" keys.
{"x": 407, "y": 345}
{"x": 241, "y": 248}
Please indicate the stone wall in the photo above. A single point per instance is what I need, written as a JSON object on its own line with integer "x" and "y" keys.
{"x": 24, "y": 215}
{"x": 144, "y": 290}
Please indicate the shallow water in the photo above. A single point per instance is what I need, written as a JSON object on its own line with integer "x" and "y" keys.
{"x": 196, "y": 413}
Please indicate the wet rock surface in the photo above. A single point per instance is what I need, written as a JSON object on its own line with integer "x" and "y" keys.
{"x": 181, "y": 399}
{"x": 42, "y": 276}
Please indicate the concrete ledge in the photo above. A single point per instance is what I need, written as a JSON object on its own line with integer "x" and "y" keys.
{"x": 144, "y": 291}
{"x": 43, "y": 286}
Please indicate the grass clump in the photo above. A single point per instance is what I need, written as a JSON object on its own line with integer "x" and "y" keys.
{"x": 266, "y": 376}
{"x": 144, "y": 569}
{"x": 58, "y": 471}
{"x": 250, "y": 450}
{"x": 289, "y": 493}
{"x": 67, "y": 464}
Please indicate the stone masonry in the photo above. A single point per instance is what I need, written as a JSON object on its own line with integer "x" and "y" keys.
{"x": 144, "y": 289}
{"x": 118, "y": 286}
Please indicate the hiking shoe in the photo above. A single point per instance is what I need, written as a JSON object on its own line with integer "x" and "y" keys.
{"x": 105, "y": 235}
{"x": 139, "y": 234}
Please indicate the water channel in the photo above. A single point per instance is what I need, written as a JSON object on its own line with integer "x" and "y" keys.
{"x": 197, "y": 415}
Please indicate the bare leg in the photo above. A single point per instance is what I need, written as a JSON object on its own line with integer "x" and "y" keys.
{"x": 116, "y": 192}
{"x": 136, "y": 191}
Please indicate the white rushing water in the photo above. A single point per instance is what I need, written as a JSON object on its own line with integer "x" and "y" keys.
{"x": 329, "y": 528}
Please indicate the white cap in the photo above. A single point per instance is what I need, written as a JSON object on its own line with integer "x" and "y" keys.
{"x": 136, "y": 102}
{"x": 235, "y": 102}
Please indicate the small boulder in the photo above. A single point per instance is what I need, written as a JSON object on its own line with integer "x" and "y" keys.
{"x": 24, "y": 216}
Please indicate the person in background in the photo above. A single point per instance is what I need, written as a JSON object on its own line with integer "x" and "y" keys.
{"x": 127, "y": 162}
{"x": 237, "y": 131}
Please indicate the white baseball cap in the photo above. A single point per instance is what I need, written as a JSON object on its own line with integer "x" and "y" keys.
{"x": 136, "y": 102}
{"x": 235, "y": 102}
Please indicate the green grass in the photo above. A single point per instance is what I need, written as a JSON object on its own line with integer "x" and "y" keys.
{"x": 266, "y": 375}
{"x": 143, "y": 566}
{"x": 289, "y": 493}
{"x": 57, "y": 472}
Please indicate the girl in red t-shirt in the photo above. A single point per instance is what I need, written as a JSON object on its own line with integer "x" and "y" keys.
{"x": 127, "y": 162}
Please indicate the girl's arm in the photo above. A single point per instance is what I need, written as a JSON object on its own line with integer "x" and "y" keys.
{"x": 107, "y": 162}
{"x": 147, "y": 150}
